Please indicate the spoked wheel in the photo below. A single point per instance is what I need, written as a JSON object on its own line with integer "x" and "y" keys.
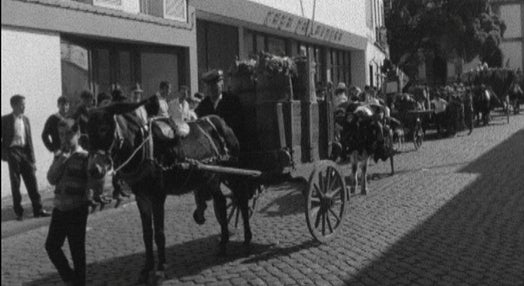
{"x": 325, "y": 201}
{"x": 418, "y": 136}
{"x": 233, "y": 211}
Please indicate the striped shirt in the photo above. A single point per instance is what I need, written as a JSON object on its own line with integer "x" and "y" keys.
{"x": 69, "y": 174}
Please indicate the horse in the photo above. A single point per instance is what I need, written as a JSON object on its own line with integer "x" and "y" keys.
{"x": 363, "y": 136}
{"x": 482, "y": 104}
{"x": 116, "y": 136}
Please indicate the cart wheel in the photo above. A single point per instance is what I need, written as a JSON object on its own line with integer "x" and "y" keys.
{"x": 325, "y": 201}
{"x": 233, "y": 211}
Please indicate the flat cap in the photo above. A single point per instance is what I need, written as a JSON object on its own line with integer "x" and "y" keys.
{"x": 213, "y": 75}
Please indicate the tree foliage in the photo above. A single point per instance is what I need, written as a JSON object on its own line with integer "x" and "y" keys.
{"x": 447, "y": 28}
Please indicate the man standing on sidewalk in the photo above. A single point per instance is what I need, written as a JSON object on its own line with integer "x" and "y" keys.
{"x": 17, "y": 151}
{"x": 50, "y": 133}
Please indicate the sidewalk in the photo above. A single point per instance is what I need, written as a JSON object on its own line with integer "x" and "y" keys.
{"x": 10, "y": 226}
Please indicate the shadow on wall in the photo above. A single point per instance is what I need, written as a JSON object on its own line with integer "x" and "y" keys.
{"x": 476, "y": 237}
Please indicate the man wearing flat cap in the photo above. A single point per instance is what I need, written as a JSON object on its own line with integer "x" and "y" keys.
{"x": 219, "y": 102}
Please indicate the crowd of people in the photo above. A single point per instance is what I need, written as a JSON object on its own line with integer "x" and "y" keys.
{"x": 64, "y": 135}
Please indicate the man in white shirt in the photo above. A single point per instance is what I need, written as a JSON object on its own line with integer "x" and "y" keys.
{"x": 178, "y": 107}
{"x": 440, "y": 111}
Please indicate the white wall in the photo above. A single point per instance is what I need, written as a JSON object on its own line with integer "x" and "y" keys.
{"x": 511, "y": 14}
{"x": 31, "y": 67}
{"x": 348, "y": 15}
{"x": 512, "y": 51}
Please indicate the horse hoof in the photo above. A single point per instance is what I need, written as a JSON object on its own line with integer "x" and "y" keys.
{"x": 364, "y": 191}
{"x": 199, "y": 217}
{"x": 352, "y": 190}
{"x": 247, "y": 239}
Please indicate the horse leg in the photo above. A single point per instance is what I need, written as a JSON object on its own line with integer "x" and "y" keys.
{"x": 145, "y": 208}
{"x": 354, "y": 169}
{"x": 364, "y": 186}
{"x": 160, "y": 238}
{"x": 243, "y": 204}
{"x": 219, "y": 202}
{"x": 201, "y": 205}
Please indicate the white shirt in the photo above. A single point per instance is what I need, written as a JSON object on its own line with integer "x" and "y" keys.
{"x": 179, "y": 110}
{"x": 19, "y": 135}
{"x": 440, "y": 105}
{"x": 163, "y": 107}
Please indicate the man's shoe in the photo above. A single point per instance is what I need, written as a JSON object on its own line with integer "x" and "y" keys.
{"x": 42, "y": 213}
{"x": 19, "y": 217}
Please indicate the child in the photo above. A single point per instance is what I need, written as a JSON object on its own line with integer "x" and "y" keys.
{"x": 69, "y": 219}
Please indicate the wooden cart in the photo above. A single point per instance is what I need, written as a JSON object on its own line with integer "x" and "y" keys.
{"x": 288, "y": 133}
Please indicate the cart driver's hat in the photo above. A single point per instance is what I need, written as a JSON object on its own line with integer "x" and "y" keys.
{"x": 213, "y": 76}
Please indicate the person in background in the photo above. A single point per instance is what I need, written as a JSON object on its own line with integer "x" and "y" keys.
{"x": 340, "y": 95}
{"x": 117, "y": 95}
{"x": 103, "y": 99}
{"x": 468, "y": 109}
{"x": 68, "y": 173}
{"x": 178, "y": 107}
{"x": 50, "y": 133}
{"x": 440, "y": 111}
{"x": 136, "y": 96}
{"x": 194, "y": 101}
{"x": 81, "y": 115}
{"x": 18, "y": 152}
{"x": 163, "y": 99}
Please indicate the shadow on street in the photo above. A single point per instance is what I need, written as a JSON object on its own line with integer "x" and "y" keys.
{"x": 476, "y": 237}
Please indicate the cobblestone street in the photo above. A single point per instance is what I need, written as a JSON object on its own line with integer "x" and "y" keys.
{"x": 453, "y": 214}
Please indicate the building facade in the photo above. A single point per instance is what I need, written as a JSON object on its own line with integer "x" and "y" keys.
{"x": 512, "y": 46}
{"x": 61, "y": 47}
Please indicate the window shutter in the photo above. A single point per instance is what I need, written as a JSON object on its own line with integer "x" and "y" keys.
{"x": 108, "y": 3}
{"x": 175, "y": 10}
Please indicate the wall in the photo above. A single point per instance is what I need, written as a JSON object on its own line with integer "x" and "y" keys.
{"x": 512, "y": 51}
{"x": 31, "y": 67}
{"x": 348, "y": 15}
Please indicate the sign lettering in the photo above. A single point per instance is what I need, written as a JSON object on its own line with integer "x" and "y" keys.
{"x": 302, "y": 27}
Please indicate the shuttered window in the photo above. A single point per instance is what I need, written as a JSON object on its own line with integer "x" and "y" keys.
{"x": 175, "y": 10}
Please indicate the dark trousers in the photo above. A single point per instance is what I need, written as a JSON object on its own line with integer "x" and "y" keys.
{"x": 70, "y": 224}
{"x": 20, "y": 166}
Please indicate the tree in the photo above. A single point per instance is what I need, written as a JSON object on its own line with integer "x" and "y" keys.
{"x": 443, "y": 28}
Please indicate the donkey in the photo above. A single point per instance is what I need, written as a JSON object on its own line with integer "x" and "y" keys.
{"x": 117, "y": 136}
{"x": 363, "y": 136}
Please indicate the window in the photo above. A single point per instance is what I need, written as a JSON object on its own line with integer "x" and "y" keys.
{"x": 217, "y": 46}
{"x": 101, "y": 66}
{"x": 75, "y": 70}
{"x": 340, "y": 63}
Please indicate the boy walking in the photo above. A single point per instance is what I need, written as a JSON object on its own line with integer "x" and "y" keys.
{"x": 69, "y": 219}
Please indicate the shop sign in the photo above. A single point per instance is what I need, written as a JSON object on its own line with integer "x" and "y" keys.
{"x": 303, "y": 27}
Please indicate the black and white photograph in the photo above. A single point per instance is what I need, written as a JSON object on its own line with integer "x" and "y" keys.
{"x": 262, "y": 142}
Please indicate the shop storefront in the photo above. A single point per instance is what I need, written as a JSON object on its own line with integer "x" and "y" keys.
{"x": 53, "y": 48}
{"x": 278, "y": 32}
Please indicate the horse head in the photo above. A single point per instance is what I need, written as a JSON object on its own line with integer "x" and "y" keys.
{"x": 105, "y": 136}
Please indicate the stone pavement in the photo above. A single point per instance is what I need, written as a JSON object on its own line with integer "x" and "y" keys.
{"x": 453, "y": 214}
